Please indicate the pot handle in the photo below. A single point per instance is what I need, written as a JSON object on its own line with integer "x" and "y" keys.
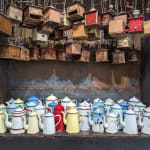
{"x": 58, "y": 120}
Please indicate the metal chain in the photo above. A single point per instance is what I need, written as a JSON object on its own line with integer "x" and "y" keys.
{"x": 116, "y": 6}
{"x": 121, "y": 8}
{"x": 143, "y": 4}
{"x": 105, "y": 6}
{"x": 102, "y": 6}
{"x": 135, "y": 4}
{"x": 92, "y": 4}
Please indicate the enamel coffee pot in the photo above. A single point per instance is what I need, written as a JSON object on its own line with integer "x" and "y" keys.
{"x": 111, "y": 123}
{"x": 71, "y": 105}
{"x": 130, "y": 122}
{"x": 33, "y": 99}
{"x": 40, "y": 110}
{"x": 97, "y": 100}
{"x": 107, "y": 106}
{"x": 52, "y": 106}
{"x": 125, "y": 107}
{"x": 141, "y": 106}
{"x": 117, "y": 109}
{"x": 33, "y": 126}
{"x": 84, "y": 109}
{"x": 19, "y": 102}
{"x": 3, "y": 128}
{"x": 3, "y": 108}
{"x": 65, "y": 101}
{"x": 10, "y": 109}
{"x": 138, "y": 115}
{"x": 30, "y": 106}
{"x": 51, "y": 99}
{"x": 96, "y": 121}
{"x": 48, "y": 125}
{"x": 16, "y": 125}
{"x": 58, "y": 112}
{"x": 145, "y": 124}
{"x": 134, "y": 101}
{"x": 10, "y": 101}
{"x": 71, "y": 120}
{"x": 99, "y": 105}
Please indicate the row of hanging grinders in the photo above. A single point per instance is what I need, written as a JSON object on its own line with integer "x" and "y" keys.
{"x": 40, "y": 31}
{"x": 73, "y": 116}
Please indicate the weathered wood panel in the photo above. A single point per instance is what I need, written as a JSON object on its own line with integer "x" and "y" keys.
{"x": 78, "y": 80}
{"x": 3, "y": 80}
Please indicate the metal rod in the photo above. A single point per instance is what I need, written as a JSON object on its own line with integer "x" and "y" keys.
{"x": 85, "y": 89}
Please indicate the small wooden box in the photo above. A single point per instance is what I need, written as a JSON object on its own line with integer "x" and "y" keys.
{"x": 133, "y": 56}
{"x": 45, "y": 29}
{"x": 15, "y": 13}
{"x": 68, "y": 34}
{"x": 24, "y": 54}
{"x": 39, "y": 36}
{"x": 73, "y": 49}
{"x": 80, "y": 32}
{"x": 48, "y": 54}
{"x": 146, "y": 27}
{"x": 61, "y": 56}
{"x": 102, "y": 55}
{"x": 125, "y": 41}
{"x": 93, "y": 18}
{"x": 9, "y": 51}
{"x": 137, "y": 41}
{"x": 26, "y": 35}
{"x": 94, "y": 34}
{"x": 32, "y": 16}
{"x": 75, "y": 11}
{"x": 56, "y": 35}
{"x": 16, "y": 34}
{"x": 35, "y": 54}
{"x": 65, "y": 23}
{"x": 106, "y": 17}
{"x": 116, "y": 27}
{"x": 119, "y": 57}
{"x": 5, "y": 25}
{"x": 123, "y": 17}
{"x": 136, "y": 24}
{"x": 85, "y": 56}
{"x": 52, "y": 16}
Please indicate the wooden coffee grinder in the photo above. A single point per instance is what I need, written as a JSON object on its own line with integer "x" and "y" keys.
{"x": 75, "y": 11}
{"x": 93, "y": 22}
{"x": 14, "y": 12}
{"x": 136, "y": 20}
{"x": 65, "y": 22}
{"x": 32, "y": 15}
{"x": 117, "y": 26}
{"x": 5, "y": 25}
{"x": 106, "y": 15}
{"x": 102, "y": 54}
{"x": 52, "y": 16}
{"x": 93, "y": 17}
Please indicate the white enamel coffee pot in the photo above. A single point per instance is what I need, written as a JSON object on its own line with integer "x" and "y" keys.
{"x": 130, "y": 123}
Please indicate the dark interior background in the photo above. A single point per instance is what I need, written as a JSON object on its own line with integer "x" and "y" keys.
{"x": 77, "y": 80}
